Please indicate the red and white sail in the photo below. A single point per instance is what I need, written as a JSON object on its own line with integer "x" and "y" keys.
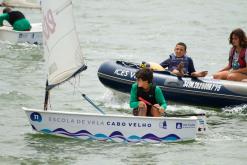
{"x": 61, "y": 44}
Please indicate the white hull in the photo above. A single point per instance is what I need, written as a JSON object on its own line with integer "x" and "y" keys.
{"x": 113, "y": 127}
{"x": 34, "y": 36}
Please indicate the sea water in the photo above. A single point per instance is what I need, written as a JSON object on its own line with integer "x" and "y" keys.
{"x": 132, "y": 30}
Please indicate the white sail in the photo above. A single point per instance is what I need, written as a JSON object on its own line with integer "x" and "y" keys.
{"x": 61, "y": 43}
{"x": 23, "y": 3}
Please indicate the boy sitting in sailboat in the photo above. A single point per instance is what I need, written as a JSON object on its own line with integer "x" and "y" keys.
{"x": 146, "y": 99}
{"x": 15, "y": 19}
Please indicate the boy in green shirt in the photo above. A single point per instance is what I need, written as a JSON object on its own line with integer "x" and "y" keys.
{"x": 146, "y": 99}
{"x": 16, "y": 19}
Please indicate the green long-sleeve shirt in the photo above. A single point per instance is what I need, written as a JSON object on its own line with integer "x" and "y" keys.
{"x": 19, "y": 25}
{"x": 3, "y": 17}
{"x": 134, "y": 103}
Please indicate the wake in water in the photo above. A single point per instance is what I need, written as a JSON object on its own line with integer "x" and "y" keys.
{"x": 241, "y": 109}
{"x": 117, "y": 100}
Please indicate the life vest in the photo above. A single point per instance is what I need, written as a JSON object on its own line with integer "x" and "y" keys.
{"x": 175, "y": 61}
{"x": 241, "y": 57}
{"x": 156, "y": 67}
{"x": 15, "y": 16}
{"x": 148, "y": 96}
{"x": 152, "y": 65}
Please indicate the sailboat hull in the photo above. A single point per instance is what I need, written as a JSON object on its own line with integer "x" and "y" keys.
{"x": 112, "y": 127}
{"x": 34, "y": 36}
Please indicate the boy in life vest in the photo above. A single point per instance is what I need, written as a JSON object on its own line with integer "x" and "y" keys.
{"x": 236, "y": 69}
{"x": 180, "y": 64}
{"x": 15, "y": 19}
{"x": 146, "y": 99}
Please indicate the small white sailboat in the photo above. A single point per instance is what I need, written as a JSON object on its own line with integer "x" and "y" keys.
{"x": 34, "y": 36}
{"x": 29, "y": 4}
{"x": 65, "y": 60}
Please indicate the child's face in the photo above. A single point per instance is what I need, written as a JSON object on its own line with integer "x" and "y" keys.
{"x": 179, "y": 50}
{"x": 142, "y": 84}
{"x": 235, "y": 40}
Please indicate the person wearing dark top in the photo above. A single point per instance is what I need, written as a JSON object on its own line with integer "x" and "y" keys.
{"x": 15, "y": 19}
{"x": 146, "y": 99}
{"x": 180, "y": 64}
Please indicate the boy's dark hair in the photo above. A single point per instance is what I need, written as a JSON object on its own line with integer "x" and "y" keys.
{"x": 182, "y": 44}
{"x": 146, "y": 74}
{"x": 7, "y": 10}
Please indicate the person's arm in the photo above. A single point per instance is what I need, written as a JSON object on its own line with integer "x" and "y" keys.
{"x": 3, "y": 17}
{"x": 165, "y": 63}
{"x": 160, "y": 98}
{"x": 195, "y": 73}
{"x": 228, "y": 67}
{"x": 241, "y": 70}
{"x": 134, "y": 103}
{"x": 4, "y": 4}
{"x": 191, "y": 67}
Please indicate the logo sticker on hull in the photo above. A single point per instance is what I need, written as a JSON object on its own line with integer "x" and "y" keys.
{"x": 185, "y": 125}
{"x": 163, "y": 125}
{"x": 36, "y": 117}
{"x": 179, "y": 126}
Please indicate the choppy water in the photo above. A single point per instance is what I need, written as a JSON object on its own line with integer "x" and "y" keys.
{"x": 133, "y": 30}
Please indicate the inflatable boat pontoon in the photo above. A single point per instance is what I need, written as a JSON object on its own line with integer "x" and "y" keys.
{"x": 120, "y": 75}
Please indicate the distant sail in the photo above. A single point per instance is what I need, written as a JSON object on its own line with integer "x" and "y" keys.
{"x": 33, "y": 4}
{"x": 61, "y": 44}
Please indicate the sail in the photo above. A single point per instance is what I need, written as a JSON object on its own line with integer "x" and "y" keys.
{"x": 33, "y": 4}
{"x": 61, "y": 44}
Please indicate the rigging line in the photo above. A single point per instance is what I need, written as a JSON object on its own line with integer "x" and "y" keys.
{"x": 75, "y": 87}
{"x": 65, "y": 5}
{"x": 90, "y": 101}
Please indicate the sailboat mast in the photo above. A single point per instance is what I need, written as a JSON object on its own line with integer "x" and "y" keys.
{"x": 47, "y": 92}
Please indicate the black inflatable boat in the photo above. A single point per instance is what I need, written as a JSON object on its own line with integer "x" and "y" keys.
{"x": 120, "y": 75}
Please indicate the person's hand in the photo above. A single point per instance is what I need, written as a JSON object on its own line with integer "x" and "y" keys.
{"x": 203, "y": 73}
{"x": 178, "y": 73}
{"x": 157, "y": 106}
{"x": 142, "y": 105}
{"x": 3, "y": 4}
{"x": 161, "y": 110}
{"x": 180, "y": 67}
{"x": 233, "y": 71}
{"x": 199, "y": 74}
